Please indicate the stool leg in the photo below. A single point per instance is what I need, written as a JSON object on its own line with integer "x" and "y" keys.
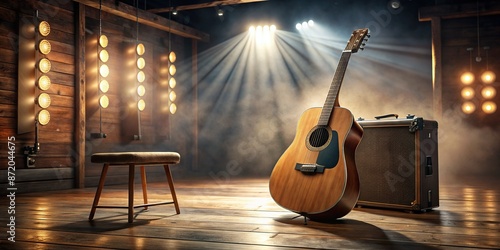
{"x": 172, "y": 188}
{"x": 98, "y": 191}
{"x": 144, "y": 186}
{"x": 131, "y": 175}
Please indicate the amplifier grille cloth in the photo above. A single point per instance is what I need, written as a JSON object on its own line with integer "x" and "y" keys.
{"x": 385, "y": 160}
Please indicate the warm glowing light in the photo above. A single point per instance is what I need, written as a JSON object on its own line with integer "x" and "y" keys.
{"x": 251, "y": 29}
{"x": 468, "y": 107}
{"x": 104, "y": 56}
{"x": 173, "y": 108}
{"x": 172, "y": 57}
{"x": 104, "y": 70}
{"x": 488, "y": 77}
{"x": 489, "y": 107}
{"x": 103, "y": 41}
{"x": 141, "y": 105}
{"x": 140, "y": 49}
{"x": 44, "y": 65}
{"x": 141, "y": 90}
{"x": 467, "y": 78}
{"x": 141, "y": 76}
{"x": 172, "y": 69}
{"x": 172, "y": 82}
{"x": 43, "y": 100}
{"x": 468, "y": 93}
{"x": 488, "y": 92}
{"x": 172, "y": 96}
{"x": 141, "y": 63}
{"x": 273, "y": 28}
{"x": 43, "y": 117}
{"x": 44, "y": 47}
{"x": 44, "y": 82}
{"x": 104, "y": 101}
{"x": 104, "y": 86}
{"x": 44, "y": 28}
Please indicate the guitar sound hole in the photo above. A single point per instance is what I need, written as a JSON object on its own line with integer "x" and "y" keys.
{"x": 319, "y": 137}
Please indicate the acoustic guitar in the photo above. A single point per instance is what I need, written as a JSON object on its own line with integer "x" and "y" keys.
{"x": 316, "y": 176}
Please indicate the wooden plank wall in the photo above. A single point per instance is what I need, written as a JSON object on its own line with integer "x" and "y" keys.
{"x": 58, "y": 158}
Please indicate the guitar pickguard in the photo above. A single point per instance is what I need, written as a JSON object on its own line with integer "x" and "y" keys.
{"x": 328, "y": 156}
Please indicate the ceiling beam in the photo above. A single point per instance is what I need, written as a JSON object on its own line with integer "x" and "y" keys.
{"x": 449, "y": 11}
{"x": 202, "y": 5}
{"x": 145, "y": 17}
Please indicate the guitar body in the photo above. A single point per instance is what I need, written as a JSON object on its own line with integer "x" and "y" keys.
{"x": 325, "y": 195}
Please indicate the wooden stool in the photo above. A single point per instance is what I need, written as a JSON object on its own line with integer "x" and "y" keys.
{"x": 132, "y": 159}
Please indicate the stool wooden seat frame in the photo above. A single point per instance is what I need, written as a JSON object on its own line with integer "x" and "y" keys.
{"x": 131, "y": 175}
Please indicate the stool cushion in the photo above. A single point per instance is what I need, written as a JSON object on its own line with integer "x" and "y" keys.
{"x": 145, "y": 158}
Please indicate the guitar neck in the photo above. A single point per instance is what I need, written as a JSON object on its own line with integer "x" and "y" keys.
{"x": 331, "y": 98}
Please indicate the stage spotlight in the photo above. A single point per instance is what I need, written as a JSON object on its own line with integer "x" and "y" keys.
{"x": 220, "y": 12}
{"x": 395, "y": 4}
{"x": 298, "y": 26}
{"x": 310, "y": 23}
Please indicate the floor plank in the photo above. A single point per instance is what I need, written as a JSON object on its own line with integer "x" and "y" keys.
{"x": 240, "y": 214}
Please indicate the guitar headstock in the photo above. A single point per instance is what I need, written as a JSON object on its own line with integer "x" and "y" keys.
{"x": 357, "y": 40}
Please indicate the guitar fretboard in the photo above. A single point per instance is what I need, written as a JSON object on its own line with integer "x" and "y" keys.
{"x": 331, "y": 98}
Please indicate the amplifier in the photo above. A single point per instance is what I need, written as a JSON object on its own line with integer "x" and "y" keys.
{"x": 397, "y": 162}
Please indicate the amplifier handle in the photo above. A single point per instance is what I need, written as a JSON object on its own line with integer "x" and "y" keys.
{"x": 386, "y": 116}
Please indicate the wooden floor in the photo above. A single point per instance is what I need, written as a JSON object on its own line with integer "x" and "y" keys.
{"x": 240, "y": 214}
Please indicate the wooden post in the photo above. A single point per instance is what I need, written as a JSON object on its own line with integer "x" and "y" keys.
{"x": 80, "y": 97}
{"x": 194, "y": 52}
{"x": 437, "y": 69}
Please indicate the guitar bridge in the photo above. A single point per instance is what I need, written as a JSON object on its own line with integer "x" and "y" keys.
{"x": 309, "y": 168}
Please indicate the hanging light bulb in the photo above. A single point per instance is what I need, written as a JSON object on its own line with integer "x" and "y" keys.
{"x": 489, "y": 107}
{"x": 43, "y": 100}
{"x": 173, "y": 108}
{"x": 44, "y": 28}
{"x": 104, "y": 56}
{"x": 141, "y": 63}
{"x": 104, "y": 86}
{"x": 104, "y": 101}
{"x": 488, "y": 77}
{"x": 141, "y": 90}
{"x": 468, "y": 107}
{"x": 172, "y": 96}
{"x": 488, "y": 92}
{"x": 44, "y": 65}
{"x": 172, "y": 70}
{"x": 44, "y": 47}
{"x": 468, "y": 93}
{"x": 141, "y": 77}
{"x": 44, "y": 82}
{"x": 172, "y": 82}
{"x": 43, "y": 117}
{"x": 104, "y": 70}
{"x": 140, "y": 49}
{"x": 141, "y": 105}
{"x": 467, "y": 78}
{"x": 103, "y": 41}
{"x": 172, "y": 57}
